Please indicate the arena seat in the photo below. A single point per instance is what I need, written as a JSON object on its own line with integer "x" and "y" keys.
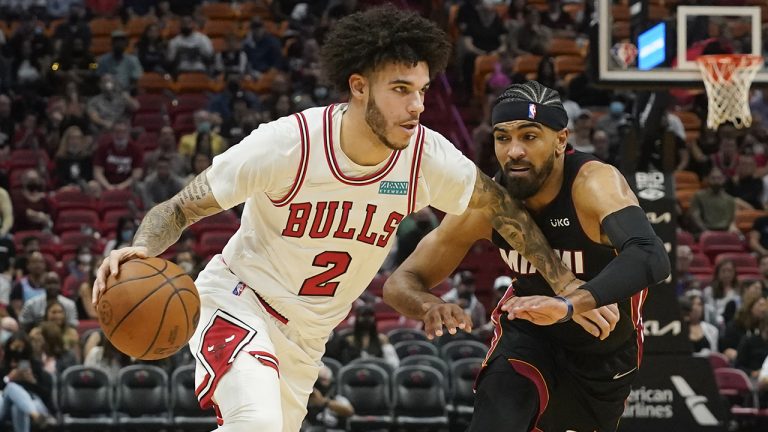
{"x": 142, "y": 398}
{"x": 415, "y": 347}
{"x": 367, "y": 387}
{"x": 405, "y": 334}
{"x": 186, "y": 413}
{"x": 86, "y": 398}
{"x": 461, "y": 349}
{"x": 419, "y": 398}
{"x": 463, "y": 373}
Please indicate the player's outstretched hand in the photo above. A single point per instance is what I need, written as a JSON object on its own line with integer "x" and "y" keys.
{"x": 111, "y": 265}
{"x": 540, "y": 310}
{"x": 599, "y": 322}
{"x": 448, "y": 315}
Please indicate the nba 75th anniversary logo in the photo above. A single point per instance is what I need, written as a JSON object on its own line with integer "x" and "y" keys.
{"x": 393, "y": 188}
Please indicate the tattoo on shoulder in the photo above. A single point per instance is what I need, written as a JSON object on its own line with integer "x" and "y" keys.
{"x": 513, "y": 222}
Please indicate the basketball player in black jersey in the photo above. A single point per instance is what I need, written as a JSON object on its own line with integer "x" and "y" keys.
{"x": 543, "y": 372}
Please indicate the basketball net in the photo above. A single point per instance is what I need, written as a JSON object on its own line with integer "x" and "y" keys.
{"x": 727, "y": 78}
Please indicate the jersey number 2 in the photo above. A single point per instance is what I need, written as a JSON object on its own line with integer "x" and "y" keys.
{"x": 320, "y": 284}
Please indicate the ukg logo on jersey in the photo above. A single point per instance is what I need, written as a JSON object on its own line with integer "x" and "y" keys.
{"x": 393, "y": 188}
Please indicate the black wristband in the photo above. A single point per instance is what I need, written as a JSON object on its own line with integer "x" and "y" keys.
{"x": 569, "y": 313}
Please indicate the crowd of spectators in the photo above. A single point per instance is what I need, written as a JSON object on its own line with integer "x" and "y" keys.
{"x": 82, "y": 113}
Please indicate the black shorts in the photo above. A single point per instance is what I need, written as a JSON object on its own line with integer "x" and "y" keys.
{"x": 571, "y": 391}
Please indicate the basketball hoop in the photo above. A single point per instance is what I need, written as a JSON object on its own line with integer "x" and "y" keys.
{"x": 727, "y": 78}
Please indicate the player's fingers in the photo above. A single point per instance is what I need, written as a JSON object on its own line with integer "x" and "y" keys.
{"x": 587, "y": 325}
{"x": 100, "y": 284}
{"x": 433, "y": 325}
{"x": 450, "y": 322}
{"x": 464, "y": 320}
{"x": 510, "y": 303}
{"x": 602, "y": 324}
{"x": 614, "y": 316}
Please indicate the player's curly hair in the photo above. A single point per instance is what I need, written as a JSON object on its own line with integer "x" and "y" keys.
{"x": 363, "y": 41}
{"x": 530, "y": 91}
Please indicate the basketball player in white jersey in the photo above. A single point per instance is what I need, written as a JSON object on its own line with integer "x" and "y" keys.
{"x": 324, "y": 191}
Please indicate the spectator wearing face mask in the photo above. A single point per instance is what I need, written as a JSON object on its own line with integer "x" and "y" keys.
{"x": 463, "y": 294}
{"x": 188, "y": 145}
{"x": 79, "y": 269}
{"x": 126, "y": 228}
{"x": 117, "y": 163}
{"x": 34, "y": 310}
{"x": 366, "y": 341}
{"x": 188, "y": 262}
{"x": 125, "y": 67}
{"x": 613, "y": 123}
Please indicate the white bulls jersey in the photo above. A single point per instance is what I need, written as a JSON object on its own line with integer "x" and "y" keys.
{"x": 316, "y": 226}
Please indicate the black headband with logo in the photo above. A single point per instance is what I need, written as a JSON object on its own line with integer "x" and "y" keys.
{"x": 554, "y": 117}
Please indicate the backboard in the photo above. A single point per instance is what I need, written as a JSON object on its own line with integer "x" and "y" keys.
{"x": 640, "y": 41}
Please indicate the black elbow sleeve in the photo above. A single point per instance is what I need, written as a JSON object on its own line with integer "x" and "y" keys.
{"x": 642, "y": 261}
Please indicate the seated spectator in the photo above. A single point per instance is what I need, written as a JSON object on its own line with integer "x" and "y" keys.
{"x": 559, "y": 20}
{"x": 758, "y": 236}
{"x": 78, "y": 270}
{"x": 117, "y": 162}
{"x": 36, "y": 309}
{"x": 6, "y": 213}
{"x": 188, "y": 145}
{"x": 231, "y": 60}
{"x": 200, "y": 161}
{"x": 263, "y": 50}
{"x": 28, "y": 72}
{"x": 167, "y": 147}
{"x": 412, "y": 229}
{"x": 703, "y": 335}
{"x": 29, "y": 134}
{"x": 463, "y": 294}
{"x": 7, "y": 122}
{"x": 722, "y": 294}
{"x": 75, "y": 27}
{"x": 753, "y": 350}
{"x": 75, "y": 64}
{"x": 762, "y": 383}
{"x": 55, "y": 357}
{"x": 727, "y": 156}
{"x": 188, "y": 262}
{"x": 74, "y": 159}
{"x": 74, "y": 107}
{"x": 190, "y": 50}
{"x": 327, "y": 411}
{"x": 484, "y": 333}
{"x": 481, "y": 33}
{"x": 752, "y": 310}
{"x": 712, "y": 208}
{"x": 530, "y": 37}
{"x": 84, "y": 296}
{"x": 99, "y": 352}
{"x": 615, "y": 123}
{"x": 112, "y": 104}
{"x": 685, "y": 279}
{"x": 126, "y": 229}
{"x": 151, "y": 50}
{"x": 581, "y": 138}
{"x": 125, "y": 67}
{"x": 30, "y": 286}
{"x": 8, "y": 327}
{"x": 161, "y": 185}
{"x": 27, "y": 389}
{"x": 745, "y": 184}
{"x": 366, "y": 341}
{"x": 29, "y": 244}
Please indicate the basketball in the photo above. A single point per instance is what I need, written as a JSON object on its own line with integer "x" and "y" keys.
{"x": 150, "y": 310}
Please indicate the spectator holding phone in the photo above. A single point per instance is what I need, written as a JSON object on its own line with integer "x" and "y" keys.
{"x": 26, "y": 387}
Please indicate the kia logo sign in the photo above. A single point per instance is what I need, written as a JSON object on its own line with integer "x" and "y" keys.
{"x": 657, "y": 218}
{"x": 651, "y": 194}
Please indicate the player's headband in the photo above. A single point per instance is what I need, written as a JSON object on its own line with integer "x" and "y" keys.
{"x": 554, "y": 117}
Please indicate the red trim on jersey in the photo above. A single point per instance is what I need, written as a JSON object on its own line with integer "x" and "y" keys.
{"x": 532, "y": 373}
{"x": 301, "y": 173}
{"x": 267, "y": 359}
{"x": 333, "y": 165}
{"x": 219, "y": 418}
{"x": 636, "y": 306}
{"x": 415, "y": 166}
{"x": 495, "y": 319}
{"x": 277, "y": 315}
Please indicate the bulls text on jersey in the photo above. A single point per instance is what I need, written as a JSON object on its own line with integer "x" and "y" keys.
{"x": 326, "y": 219}
{"x": 573, "y": 259}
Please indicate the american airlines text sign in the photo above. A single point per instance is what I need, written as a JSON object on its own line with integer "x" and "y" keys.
{"x": 673, "y": 392}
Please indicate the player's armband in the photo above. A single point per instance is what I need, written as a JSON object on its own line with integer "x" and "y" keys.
{"x": 642, "y": 259}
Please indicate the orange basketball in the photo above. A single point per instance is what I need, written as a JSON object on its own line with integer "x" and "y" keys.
{"x": 150, "y": 310}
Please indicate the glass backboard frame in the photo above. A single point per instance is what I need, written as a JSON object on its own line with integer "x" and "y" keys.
{"x": 686, "y": 74}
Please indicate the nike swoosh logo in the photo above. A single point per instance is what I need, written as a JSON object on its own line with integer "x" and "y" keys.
{"x": 229, "y": 339}
{"x": 210, "y": 348}
{"x": 619, "y": 375}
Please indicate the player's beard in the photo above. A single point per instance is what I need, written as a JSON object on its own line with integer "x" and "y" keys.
{"x": 378, "y": 124}
{"x": 520, "y": 187}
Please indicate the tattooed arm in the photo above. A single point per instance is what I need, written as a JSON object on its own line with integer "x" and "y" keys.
{"x": 512, "y": 221}
{"x": 163, "y": 224}
{"x": 162, "y": 227}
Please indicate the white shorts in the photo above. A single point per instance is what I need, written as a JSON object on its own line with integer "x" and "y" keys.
{"x": 233, "y": 321}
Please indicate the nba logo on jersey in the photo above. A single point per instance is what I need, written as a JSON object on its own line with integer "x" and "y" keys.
{"x": 239, "y": 288}
{"x": 531, "y": 111}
